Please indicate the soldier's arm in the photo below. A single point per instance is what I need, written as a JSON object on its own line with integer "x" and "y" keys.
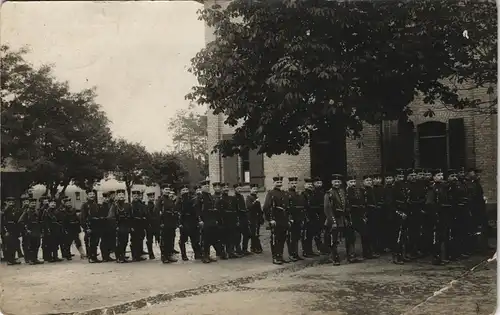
{"x": 84, "y": 214}
{"x": 328, "y": 208}
{"x": 248, "y": 202}
{"x": 267, "y": 206}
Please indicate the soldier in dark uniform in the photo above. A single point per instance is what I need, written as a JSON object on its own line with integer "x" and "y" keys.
{"x": 153, "y": 226}
{"x": 297, "y": 218}
{"x": 91, "y": 221}
{"x": 53, "y": 231}
{"x": 316, "y": 204}
{"x": 106, "y": 232}
{"x": 11, "y": 230}
{"x": 394, "y": 219}
{"x": 401, "y": 194}
{"x": 464, "y": 217}
{"x": 219, "y": 205}
{"x": 188, "y": 224}
{"x": 111, "y": 223}
{"x": 338, "y": 221}
{"x": 356, "y": 206}
{"x": 31, "y": 221}
{"x": 25, "y": 204}
{"x": 278, "y": 217}
{"x": 43, "y": 206}
{"x": 197, "y": 209}
{"x": 169, "y": 221}
{"x": 312, "y": 222}
{"x": 477, "y": 206}
{"x": 137, "y": 230}
{"x": 416, "y": 201}
{"x": 121, "y": 214}
{"x": 380, "y": 216}
{"x": 458, "y": 200}
{"x": 372, "y": 232}
{"x": 210, "y": 217}
{"x": 72, "y": 229}
{"x": 256, "y": 217}
{"x": 229, "y": 233}
{"x": 244, "y": 221}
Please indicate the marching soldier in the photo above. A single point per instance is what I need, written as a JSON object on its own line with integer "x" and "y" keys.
{"x": 229, "y": 232}
{"x": 317, "y": 206}
{"x": 137, "y": 230}
{"x": 312, "y": 222}
{"x": 11, "y": 230}
{"x": 338, "y": 221}
{"x": 297, "y": 215}
{"x": 72, "y": 229}
{"x": 356, "y": 206}
{"x": 153, "y": 226}
{"x": 31, "y": 220}
{"x": 277, "y": 216}
{"x": 91, "y": 219}
{"x": 106, "y": 231}
{"x": 169, "y": 220}
{"x": 53, "y": 231}
{"x": 188, "y": 224}
{"x": 244, "y": 221}
{"x": 256, "y": 216}
{"x": 372, "y": 232}
{"x": 121, "y": 215}
{"x": 210, "y": 217}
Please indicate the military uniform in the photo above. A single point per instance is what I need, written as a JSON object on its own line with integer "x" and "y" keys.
{"x": 312, "y": 221}
{"x": 297, "y": 218}
{"x": 11, "y": 230}
{"x": 91, "y": 222}
{"x": 244, "y": 222}
{"x": 188, "y": 224}
{"x": 31, "y": 220}
{"x": 138, "y": 228}
{"x": 416, "y": 199}
{"x": 229, "y": 233}
{"x": 380, "y": 216}
{"x": 477, "y": 207}
{"x": 458, "y": 200}
{"x": 106, "y": 229}
{"x": 210, "y": 217}
{"x": 219, "y": 205}
{"x": 275, "y": 210}
{"x": 153, "y": 225}
{"x": 121, "y": 213}
{"x": 400, "y": 217}
{"x": 72, "y": 230}
{"x": 44, "y": 205}
{"x": 317, "y": 206}
{"x": 372, "y": 232}
{"x": 256, "y": 217}
{"x": 169, "y": 220}
{"x": 53, "y": 231}
{"x": 356, "y": 205}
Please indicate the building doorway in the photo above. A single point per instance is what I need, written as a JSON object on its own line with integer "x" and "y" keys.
{"x": 328, "y": 153}
{"x": 433, "y": 145}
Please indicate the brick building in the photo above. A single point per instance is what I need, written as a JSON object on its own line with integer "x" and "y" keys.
{"x": 450, "y": 139}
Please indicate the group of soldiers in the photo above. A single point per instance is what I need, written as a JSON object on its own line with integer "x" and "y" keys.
{"x": 228, "y": 223}
{"x": 411, "y": 213}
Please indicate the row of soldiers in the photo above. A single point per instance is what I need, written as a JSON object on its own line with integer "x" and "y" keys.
{"x": 110, "y": 224}
{"x": 412, "y": 213}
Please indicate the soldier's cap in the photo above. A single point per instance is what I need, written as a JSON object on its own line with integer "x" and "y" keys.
{"x": 350, "y": 177}
{"x": 389, "y": 174}
{"x": 317, "y": 179}
{"x": 52, "y": 199}
{"x": 168, "y": 186}
{"x": 400, "y": 171}
{"x": 105, "y": 194}
{"x": 111, "y": 192}
{"x": 254, "y": 185}
{"x": 120, "y": 191}
{"x": 475, "y": 170}
{"x": 184, "y": 186}
{"x": 437, "y": 171}
{"x": 337, "y": 177}
{"x": 419, "y": 170}
{"x": 33, "y": 200}
{"x": 42, "y": 198}
{"x": 225, "y": 185}
{"x": 452, "y": 172}
{"x": 151, "y": 194}
{"x": 307, "y": 180}
{"x": 135, "y": 192}
{"x": 25, "y": 196}
{"x": 376, "y": 176}
{"x": 237, "y": 185}
{"x": 293, "y": 179}
{"x": 411, "y": 171}
{"x": 91, "y": 190}
{"x": 277, "y": 178}
{"x": 216, "y": 184}
{"x": 204, "y": 182}
{"x": 367, "y": 177}
{"x": 10, "y": 199}
{"x": 196, "y": 187}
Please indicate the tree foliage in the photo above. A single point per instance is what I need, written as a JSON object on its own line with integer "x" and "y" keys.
{"x": 57, "y": 135}
{"x": 131, "y": 160}
{"x": 163, "y": 168}
{"x": 189, "y": 134}
{"x": 287, "y": 68}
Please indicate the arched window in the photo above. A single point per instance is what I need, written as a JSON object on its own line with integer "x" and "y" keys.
{"x": 432, "y": 145}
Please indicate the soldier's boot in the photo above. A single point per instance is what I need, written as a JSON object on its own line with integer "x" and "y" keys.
{"x": 182, "y": 247}
{"x": 82, "y": 252}
{"x": 335, "y": 256}
{"x": 245, "y": 242}
{"x": 18, "y": 250}
{"x": 171, "y": 258}
{"x": 206, "y": 256}
{"x": 277, "y": 261}
{"x": 150, "y": 250}
{"x": 397, "y": 259}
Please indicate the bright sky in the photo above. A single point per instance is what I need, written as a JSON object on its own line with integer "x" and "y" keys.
{"x": 136, "y": 54}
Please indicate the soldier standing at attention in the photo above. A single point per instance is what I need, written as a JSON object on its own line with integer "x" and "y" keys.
{"x": 380, "y": 216}
{"x": 400, "y": 194}
{"x": 219, "y": 205}
{"x": 278, "y": 218}
{"x": 43, "y": 206}
{"x": 229, "y": 232}
{"x": 244, "y": 220}
{"x": 188, "y": 224}
{"x": 297, "y": 215}
{"x": 356, "y": 206}
{"x": 53, "y": 226}
{"x": 316, "y": 204}
{"x": 11, "y": 230}
{"x": 416, "y": 198}
{"x": 256, "y": 216}
{"x": 25, "y": 204}
{"x": 312, "y": 222}
{"x": 120, "y": 214}
{"x": 458, "y": 194}
{"x": 73, "y": 229}
{"x": 90, "y": 217}
{"x": 464, "y": 216}
{"x": 152, "y": 226}
{"x": 477, "y": 207}
{"x": 31, "y": 220}
{"x": 105, "y": 231}
{"x": 111, "y": 223}
{"x": 137, "y": 228}
{"x": 169, "y": 220}
{"x": 370, "y": 203}
{"x": 210, "y": 217}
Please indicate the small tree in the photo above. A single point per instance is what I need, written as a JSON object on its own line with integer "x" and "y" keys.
{"x": 130, "y": 161}
{"x": 163, "y": 168}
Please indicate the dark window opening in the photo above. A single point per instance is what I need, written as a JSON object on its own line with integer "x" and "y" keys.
{"x": 433, "y": 146}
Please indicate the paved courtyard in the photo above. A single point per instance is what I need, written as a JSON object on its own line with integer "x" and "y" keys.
{"x": 249, "y": 285}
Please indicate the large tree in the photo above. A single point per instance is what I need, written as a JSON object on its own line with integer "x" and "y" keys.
{"x": 189, "y": 134}
{"x": 58, "y": 136}
{"x": 163, "y": 168}
{"x": 287, "y": 68}
{"x": 131, "y": 160}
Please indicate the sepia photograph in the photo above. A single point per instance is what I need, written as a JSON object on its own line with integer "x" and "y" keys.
{"x": 248, "y": 156}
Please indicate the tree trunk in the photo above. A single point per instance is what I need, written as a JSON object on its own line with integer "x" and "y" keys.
{"x": 128, "y": 186}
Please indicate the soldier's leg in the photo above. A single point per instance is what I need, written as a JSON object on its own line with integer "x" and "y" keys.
{"x": 253, "y": 236}
{"x": 206, "y": 239}
{"x": 245, "y": 239}
{"x": 174, "y": 251}
{"x": 93, "y": 244}
{"x": 280, "y": 242}
{"x": 34, "y": 243}
{"x": 121, "y": 246}
{"x": 182, "y": 242}
{"x": 437, "y": 238}
{"x": 194, "y": 236}
{"x": 25, "y": 247}
{"x": 149, "y": 241}
{"x": 10, "y": 249}
{"x": 398, "y": 240}
{"x": 334, "y": 242}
